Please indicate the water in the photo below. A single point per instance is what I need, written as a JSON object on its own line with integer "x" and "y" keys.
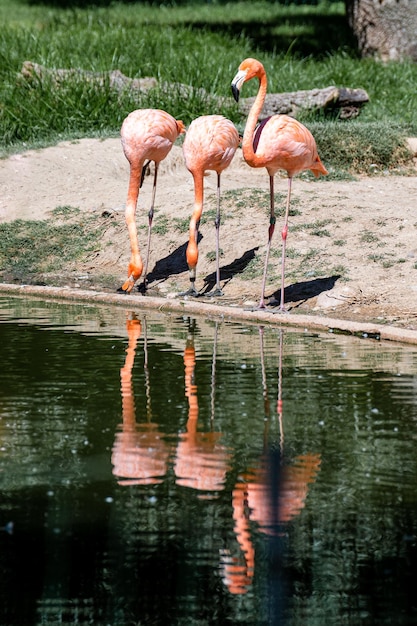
{"x": 156, "y": 469}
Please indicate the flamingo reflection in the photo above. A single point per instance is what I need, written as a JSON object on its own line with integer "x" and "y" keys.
{"x": 263, "y": 497}
{"x": 202, "y": 461}
{"x": 140, "y": 454}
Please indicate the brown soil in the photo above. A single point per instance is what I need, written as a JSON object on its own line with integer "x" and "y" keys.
{"x": 352, "y": 245}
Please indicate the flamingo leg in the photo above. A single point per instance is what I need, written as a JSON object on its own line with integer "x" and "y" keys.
{"x": 271, "y": 229}
{"x": 192, "y": 248}
{"x": 144, "y": 170}
{"x": 218, "y": 290}
{"x": 284, "y": 234}
{"x": 150, "y": 219}
{"x": 135, "y": 266}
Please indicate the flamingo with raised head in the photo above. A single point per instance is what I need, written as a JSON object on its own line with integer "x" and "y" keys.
{"x": 209, "y": 145}
{"x": 279, "y": 142}
{"x": 147, "y": 135}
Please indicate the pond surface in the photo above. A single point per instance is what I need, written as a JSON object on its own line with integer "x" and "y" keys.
{"x": 156, "y": 469}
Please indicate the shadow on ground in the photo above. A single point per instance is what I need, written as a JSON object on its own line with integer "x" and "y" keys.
{"x": 301, "y": 292}
{"x": 176, "y": 263}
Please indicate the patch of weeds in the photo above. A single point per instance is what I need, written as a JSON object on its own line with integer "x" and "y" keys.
{"x": 306, "y": 266}
{"x": 340, "y": 242}
{"x": 385, "y": 260}
{"x": 181, "y": 224}
{"x": 246, "y": 198}
{"x": 209, "y": 216}
{"x": 28, "y": 247}
{"x": 316, "y": 228}
{"x": 160, "y": 226}
{"x": 340, "y": 270}
{"x": 65, "y": 211}
{"x": 211, "y": 256}
{"x": 291, "y": 253}
{"x": 254, "y": 269}
{"x": 368, "y": 237}
{"x": 320, "y": 232}
{"x": 311, "y": 254}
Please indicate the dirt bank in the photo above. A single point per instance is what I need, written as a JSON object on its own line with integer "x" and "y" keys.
{"x": 352, "y": 244}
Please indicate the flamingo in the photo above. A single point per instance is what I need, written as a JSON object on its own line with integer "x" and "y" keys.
{"x": 210, "y": 144}
{"x": 147, "y": 135}
{"x": 279, "y": 142}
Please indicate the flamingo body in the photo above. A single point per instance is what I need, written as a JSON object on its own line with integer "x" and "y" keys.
{"x": 282, "y": 143}
{"x": 210, "y": 145}
{"x": 278, "y": 143}
{"x": 147, "y": 135}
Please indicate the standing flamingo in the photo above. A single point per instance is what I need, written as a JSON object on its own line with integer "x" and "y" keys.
{"x": 147, "y": 135}
{"x": 210, "y": 144}
{"x": 279, "y": 142}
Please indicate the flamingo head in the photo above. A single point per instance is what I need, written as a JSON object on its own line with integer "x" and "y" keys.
{"x": 248, "y": 69}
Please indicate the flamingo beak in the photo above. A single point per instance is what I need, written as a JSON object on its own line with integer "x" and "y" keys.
{"x": 237, "y": 83}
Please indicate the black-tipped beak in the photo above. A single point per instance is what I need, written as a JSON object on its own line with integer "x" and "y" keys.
{"x": 237, "y": 83}
{"x": 235, "y": 92}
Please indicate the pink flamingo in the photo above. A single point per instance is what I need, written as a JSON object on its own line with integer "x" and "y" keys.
{"x": 210, "y": 144}
{"x": 147, "y": 135}
{"x": 279, "y": 142}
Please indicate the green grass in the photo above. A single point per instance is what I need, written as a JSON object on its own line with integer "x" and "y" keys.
{"x": 199, "y": 45}
{"x": 30, "y": 247}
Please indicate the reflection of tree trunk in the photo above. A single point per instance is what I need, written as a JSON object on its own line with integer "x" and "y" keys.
{"x": 384, "y": 28}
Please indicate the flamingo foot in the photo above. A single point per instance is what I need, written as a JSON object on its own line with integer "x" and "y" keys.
{"x": 216, "y": 292}
{"x": 261, "y": 307}
{"x": 192, "y": 291}
{"x": 127, "y": 285}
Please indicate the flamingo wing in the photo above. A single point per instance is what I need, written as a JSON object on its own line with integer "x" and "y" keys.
{"x": 285, "y": 144}
{"x": 149, "y": 133}
{"x": 210, "y": 143}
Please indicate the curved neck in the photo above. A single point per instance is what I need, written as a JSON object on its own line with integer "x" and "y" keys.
{"x": 247, "y": 144}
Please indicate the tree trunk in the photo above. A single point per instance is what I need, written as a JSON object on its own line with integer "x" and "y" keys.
{"x": 386, "y": 29}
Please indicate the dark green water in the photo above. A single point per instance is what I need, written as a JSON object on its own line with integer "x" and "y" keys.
{"x": 164, "y": 470}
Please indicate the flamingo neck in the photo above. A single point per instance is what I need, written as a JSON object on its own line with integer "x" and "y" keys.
{"x": 247, "y": 144}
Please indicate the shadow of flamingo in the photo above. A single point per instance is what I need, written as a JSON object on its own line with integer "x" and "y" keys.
{"x": 176, "y": 263}
{"x": 303, "y": 291}
{"x": 227, "y": 272}
{"x": 173, "y": 263}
